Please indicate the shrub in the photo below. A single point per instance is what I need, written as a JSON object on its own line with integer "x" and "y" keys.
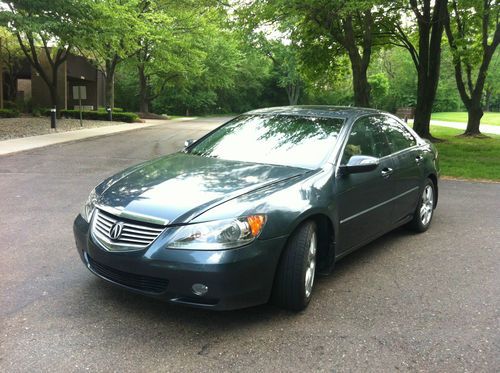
{"x": 115, "y": 109}
{"x": 9, "y": 113}
{"x": 9, "y": 105}
{"x": 100, "y": 115}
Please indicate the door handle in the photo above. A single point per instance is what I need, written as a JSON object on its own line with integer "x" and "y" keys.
{"x": 386, "y": 172}
{"x": 419, "y": 158}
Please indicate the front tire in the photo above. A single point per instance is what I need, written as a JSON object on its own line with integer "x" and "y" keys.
{"x": 294, "y": 280}
{"x": 425, "y": 208}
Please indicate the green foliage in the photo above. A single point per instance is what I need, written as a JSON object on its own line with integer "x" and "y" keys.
{"x": 56, "y": 23}
{"x": 9, "y": 113}
{"x": 379, "y": 87}
{"x": 200, "y": 57}
{"x": 100, "y": 115}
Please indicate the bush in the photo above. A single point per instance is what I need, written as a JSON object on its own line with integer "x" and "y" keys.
{"x": 100, "y": 115}
{"x": 115, "y": 109}
{"x": 9, "y": 105}
{"x": 9, "y": 113}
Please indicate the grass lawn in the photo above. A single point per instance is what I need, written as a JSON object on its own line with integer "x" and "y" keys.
{"x": 488, "y": 118}
{"x": 468, "y": 158}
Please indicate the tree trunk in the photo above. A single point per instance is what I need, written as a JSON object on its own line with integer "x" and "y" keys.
{"x": 143, "y": 90}
{"x": 359, "y": 57}
{"x": 426, "y": 93}
{"x": 109, "y": 87}
{"x": 487, "y": 98}
{"x": 53, "y": 89}
{"x": 475, "y": 113}
{"x": 293, "y": 93}
{"x": 430, "y": 29}
{"x": 360, "y": 83}
{"x": 109, "y": 84}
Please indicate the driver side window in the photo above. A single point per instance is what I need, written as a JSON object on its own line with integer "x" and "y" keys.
{"x": 366, "y": 138}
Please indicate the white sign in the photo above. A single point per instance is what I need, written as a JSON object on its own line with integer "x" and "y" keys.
{"x": 79, "y": 92}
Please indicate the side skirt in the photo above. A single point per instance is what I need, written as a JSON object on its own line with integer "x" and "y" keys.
{"x": 356, "y": 247}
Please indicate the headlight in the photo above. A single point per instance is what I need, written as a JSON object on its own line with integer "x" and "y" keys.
{"x": 88, "y": 208}
{"x": 219, "y": 234}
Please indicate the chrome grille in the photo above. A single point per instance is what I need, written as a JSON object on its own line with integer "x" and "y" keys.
{"x": 135, "y": 235}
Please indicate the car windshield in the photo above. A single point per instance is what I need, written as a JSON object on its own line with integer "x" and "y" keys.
{"x": 289, "y": 140}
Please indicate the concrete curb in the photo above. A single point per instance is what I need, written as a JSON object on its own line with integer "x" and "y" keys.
{"x": 33, "y": 142}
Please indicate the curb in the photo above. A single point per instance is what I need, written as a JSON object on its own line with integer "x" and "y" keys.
{"x": 21, "y": 144}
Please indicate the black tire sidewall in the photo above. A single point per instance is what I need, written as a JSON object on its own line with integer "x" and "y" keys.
{"x": 289, "y": 287}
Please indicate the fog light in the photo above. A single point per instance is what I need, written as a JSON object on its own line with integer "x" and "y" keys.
{"x": 200, "y": 289}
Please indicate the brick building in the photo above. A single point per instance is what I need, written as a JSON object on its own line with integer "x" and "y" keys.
{"x": 75, "y": 72}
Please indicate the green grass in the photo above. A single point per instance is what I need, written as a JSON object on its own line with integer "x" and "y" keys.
{"x": 488, "y": 118}
{"x": 468, "y": 158}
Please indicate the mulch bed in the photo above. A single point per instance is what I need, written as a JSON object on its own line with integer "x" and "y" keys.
{"x": 11, "y": 128}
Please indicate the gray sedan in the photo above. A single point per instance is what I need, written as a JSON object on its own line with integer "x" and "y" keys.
{"x": 255, "y": 209}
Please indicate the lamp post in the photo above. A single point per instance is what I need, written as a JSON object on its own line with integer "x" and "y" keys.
{"x": 53, "y": 113}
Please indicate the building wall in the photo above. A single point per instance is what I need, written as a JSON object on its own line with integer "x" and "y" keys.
{"x": 40, "y": 92}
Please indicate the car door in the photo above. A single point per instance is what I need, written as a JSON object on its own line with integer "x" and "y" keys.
{"x": 364, "y": 199}
{"x": 407, "y": 168}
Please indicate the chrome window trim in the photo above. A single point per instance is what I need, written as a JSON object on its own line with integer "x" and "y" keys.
{"x": 377, "y": 205}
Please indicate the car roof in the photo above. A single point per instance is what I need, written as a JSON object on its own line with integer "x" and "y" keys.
{"x": 317, "y": 110}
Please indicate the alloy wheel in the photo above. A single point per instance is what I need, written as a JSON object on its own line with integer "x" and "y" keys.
{"x": 427, "y": 206}
{"x": 311, "y": 266}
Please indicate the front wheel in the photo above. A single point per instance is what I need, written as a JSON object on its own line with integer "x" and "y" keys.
{"x": 294, "y": 279}
{"x": 425, "y": 208}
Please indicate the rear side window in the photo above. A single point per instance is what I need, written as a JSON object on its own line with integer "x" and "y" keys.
{"x": 366, "y": 138}
{"x": 399, "y": 137}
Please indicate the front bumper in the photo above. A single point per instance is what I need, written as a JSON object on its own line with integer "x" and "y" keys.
{"x": 235, "y": 278}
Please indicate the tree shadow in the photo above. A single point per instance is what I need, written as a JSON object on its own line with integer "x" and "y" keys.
{"x": 195, "y": 319}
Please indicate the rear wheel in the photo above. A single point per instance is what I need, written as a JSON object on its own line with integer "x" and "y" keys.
{"x": 296, "y": 272}
{"x": 425, "y": 208}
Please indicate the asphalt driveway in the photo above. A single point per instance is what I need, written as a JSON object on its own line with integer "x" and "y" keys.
{"x": 428, "y": 302}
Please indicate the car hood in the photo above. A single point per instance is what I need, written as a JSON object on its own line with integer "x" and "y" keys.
{"x": 181, "y": 186}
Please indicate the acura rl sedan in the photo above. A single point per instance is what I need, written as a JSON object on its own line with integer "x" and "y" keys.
{"x": 256, "y": 209}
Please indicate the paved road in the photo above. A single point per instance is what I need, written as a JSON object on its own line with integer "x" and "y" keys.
{"x": 425, "y": 302}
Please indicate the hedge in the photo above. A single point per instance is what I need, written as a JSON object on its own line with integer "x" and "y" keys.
{"x": 100, "y": 115}
{"x": 115, "y": 109}
{"x": 9, "y": 113}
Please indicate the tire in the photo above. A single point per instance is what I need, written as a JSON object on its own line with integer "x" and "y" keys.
{"x": 425, "y": 208}
{"x": 294, "y": 278}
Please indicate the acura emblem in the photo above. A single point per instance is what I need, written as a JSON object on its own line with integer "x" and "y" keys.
{"x": 116, "y": 230}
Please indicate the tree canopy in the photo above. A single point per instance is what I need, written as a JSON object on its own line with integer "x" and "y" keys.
{"x": 194, "y": 57}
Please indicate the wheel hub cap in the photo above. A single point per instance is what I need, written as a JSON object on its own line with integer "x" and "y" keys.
{"x": 311, "y": 266}
{"x": 427, "y": 205}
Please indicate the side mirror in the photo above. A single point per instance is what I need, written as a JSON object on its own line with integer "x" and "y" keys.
{"x": 188, "y": 143}
{"x": 358, "y": 164}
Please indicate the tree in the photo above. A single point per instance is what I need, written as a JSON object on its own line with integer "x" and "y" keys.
{"x": 170, "y": 46}
{"x": 334, "y": 27}
{"x": 430, "y": 16}
{"x": 47, "y": 31}
{"x": 285, "y": 61}
{"x": 473, "y": 33}
{"x": 116, "y": 30}
{"x": 12, "y": 57}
